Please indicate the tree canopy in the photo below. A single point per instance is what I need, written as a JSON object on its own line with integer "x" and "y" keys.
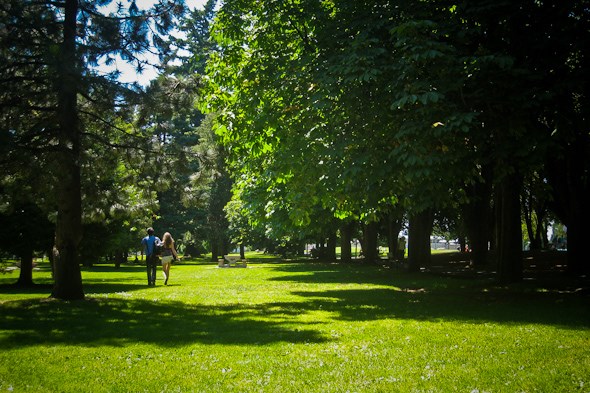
{"x": 323, "y": 117}
{"x": 358, "y": 106}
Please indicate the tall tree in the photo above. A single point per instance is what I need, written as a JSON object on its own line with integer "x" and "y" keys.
{"x": 58, "y": 74}
{"x": 358, "y": 106}
{"x": 210, "y": 184}
{"x": 169, "y": 116}
{"x": 348, "y": 112}
{"x": 556, "y": 36}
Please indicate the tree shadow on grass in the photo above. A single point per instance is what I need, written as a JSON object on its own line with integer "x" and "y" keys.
{"x": 91, "y": 286}
{"x": 385, "y": 295}
{"x": 123, "y": 279}
{"x": 434, "y": 298}
{"x": 337, "y": 273}
{"x": 117, "y": 322}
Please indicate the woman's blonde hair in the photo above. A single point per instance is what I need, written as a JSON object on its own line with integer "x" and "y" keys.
{"x": 167, "y": 240}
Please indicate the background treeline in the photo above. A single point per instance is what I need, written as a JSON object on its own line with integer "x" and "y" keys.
{"x": 471, "y": 116}
{"x": 279, "y": 123}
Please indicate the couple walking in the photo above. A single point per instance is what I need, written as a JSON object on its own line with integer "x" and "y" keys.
{"x": 150, "y": 244}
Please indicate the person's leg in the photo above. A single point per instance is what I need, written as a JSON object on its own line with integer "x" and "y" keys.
{"x": 154, "y": 269}
{"x": 166, "y": 268}
{"x": 147, "y": 264}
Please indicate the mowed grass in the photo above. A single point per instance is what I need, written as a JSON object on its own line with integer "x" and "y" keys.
{"x": 293, "y": 327}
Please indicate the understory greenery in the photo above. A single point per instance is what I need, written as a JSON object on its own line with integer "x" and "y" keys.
{"x": 293, "y": 326}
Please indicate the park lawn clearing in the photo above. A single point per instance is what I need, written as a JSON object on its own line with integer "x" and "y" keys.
{"x": 293, "y": 327}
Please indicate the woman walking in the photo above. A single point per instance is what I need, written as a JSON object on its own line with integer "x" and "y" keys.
{"x": 168, "y": 254}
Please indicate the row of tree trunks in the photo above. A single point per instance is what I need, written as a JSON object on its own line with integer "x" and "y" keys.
{"x": 370, "y": 239}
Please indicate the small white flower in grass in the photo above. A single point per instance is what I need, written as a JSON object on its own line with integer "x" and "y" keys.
{"x": 124, "y": 294}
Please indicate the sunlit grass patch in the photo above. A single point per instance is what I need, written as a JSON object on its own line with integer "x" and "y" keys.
{"x": 292, "y": 327}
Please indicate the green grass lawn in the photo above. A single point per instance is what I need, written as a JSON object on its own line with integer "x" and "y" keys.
{"x": 293, "y": 327}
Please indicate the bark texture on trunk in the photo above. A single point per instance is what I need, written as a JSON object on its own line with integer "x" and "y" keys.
{"x": 370, "y": 242}
{"x": 25, "y": 278}
{"x": 68, "y": 232}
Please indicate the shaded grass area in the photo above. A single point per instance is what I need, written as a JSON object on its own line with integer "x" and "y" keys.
{"x": 292, "y": 327}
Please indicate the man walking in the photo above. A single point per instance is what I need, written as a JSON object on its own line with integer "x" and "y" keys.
{"x": 149, "y": 243}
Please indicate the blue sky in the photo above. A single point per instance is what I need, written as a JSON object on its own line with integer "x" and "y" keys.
{"x": 128, "y": 71}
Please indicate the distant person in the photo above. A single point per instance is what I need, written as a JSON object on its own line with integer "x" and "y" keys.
{"x": 149, "y": 243}
{"x": 401, "y": 247}
{"x": 168, "y": 254}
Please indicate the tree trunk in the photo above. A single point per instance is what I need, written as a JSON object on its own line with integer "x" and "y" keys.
{"x": 25, "y": 278}
{"x": 462, "y": 244}
{"x": 567, "y": 171}
{"x": 345, "y": 242}
{"x": 578, "y": 227}
{"x": 51, "y": 264}
{"x": 68, "y": 232}
{"x": 225, "y": 246}
{"x": 370, "y": 242}
{"x": 419, "y": 232}
{"x": 242, "y": 251}
{"x": 331, "y": 250}
{"x": 541, "y": 232}
{"x": 577, "y": 236}
{"x": 67, "y": 275}
{"x": 509, "y": 231}
{"x": 477, "y": 214}
{"x": 528, "y": 220}
{"x": 478, "y": 239}
{"x": 394, "y": 226}
{"x": 214, "y": 250}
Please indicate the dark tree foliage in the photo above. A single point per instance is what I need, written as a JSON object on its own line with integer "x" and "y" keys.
{"x": 55, "y": 102}
{"x": 24, "y": 230}
{"x": 360, "y": 106}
